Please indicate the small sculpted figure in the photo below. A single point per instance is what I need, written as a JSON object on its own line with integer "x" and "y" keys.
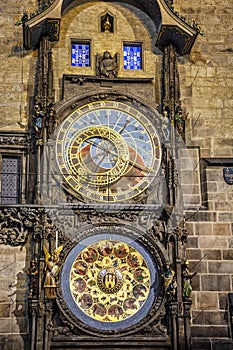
{"x": 51, "y": 271}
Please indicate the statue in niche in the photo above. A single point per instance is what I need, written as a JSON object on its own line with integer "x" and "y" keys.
{"x": 51, "y": 271}
{"x": 106, "y": 65}
{"x": 179, "y": 119}
{"x": 170, "y": 283}
{"x": 187, "y": 276}
{"x": 107, "y": 26}
{"x": 33, "y": 273}
{"x": 51, "y": 118}
{"x": 107, "y": 23}
{"x": 38, "y": 118}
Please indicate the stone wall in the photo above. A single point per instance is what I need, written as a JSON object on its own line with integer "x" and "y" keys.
{"x": 207, "y": 95}
{"x": 17, "y": 65}
{"x": 13, "y": 294}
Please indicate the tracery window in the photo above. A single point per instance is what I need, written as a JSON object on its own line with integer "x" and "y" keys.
{"x": 10, "y": 180}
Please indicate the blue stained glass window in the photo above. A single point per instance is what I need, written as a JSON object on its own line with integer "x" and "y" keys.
{"x": 80, "y": 55}
{"x": 132, "y": 56}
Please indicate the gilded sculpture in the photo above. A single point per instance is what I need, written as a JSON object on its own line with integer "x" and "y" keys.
{"x": 51, "y": 271}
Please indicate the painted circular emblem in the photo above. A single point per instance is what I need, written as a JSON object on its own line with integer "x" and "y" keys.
{"x": 110, "y": 280}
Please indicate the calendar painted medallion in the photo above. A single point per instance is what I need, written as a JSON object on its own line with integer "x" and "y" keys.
{"x": 109, "y": 283}
{"x": 108, "y": 151}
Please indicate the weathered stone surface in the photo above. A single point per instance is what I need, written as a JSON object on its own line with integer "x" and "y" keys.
{"x": 212, "y": 241}
{"x": 209, "y": 318}
{"x": 4, "y": 310}
{"x": 228, "y": 254}
{"x": 12, "y": 342}
{"x": 201, "y": 216}
{"x": 193, "y": 254}
{"x": 220, "y": 344}
{"x": 201, "y": 344}
{"x": 207, "y": 300}
{"x": 193, "y": 242}
{"x": 203, "y": 228}
{"x": 221, "y": 267}
{"x": 212, "y": 254}
{"x": 196, "y": 283}
{"x": 225, "y": 217}
{"x": 216, "y": 282}
{"x": 210, "y": 331}
{"x": 222, "y": 229}
{"x": 223, "y": 301}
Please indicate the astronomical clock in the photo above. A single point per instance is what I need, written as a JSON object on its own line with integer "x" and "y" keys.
{"x": 107, "y": 122}
{"x": 108, "y": 152}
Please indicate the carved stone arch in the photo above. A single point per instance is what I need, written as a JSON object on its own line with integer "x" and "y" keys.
{"x": 150, "y": 7}
{"x": 170, "y": 26}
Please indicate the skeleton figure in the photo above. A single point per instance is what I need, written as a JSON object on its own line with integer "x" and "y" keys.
{"x": 38, "y": 120}
{"x": 33, "y": 272}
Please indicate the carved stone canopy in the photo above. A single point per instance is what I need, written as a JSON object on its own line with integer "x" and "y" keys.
{"x": 46, "y": 21}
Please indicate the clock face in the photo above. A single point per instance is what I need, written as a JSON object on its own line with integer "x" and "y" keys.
{"x": 108, "y": 151}
{"x": 109, "y": 281}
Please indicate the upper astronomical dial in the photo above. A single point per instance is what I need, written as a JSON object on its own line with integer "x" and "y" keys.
{"x": 108, "y": 151}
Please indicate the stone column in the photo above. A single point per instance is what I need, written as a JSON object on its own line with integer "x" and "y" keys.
{"x": 187, "y": 329}
{"x": 173, "y": 313}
